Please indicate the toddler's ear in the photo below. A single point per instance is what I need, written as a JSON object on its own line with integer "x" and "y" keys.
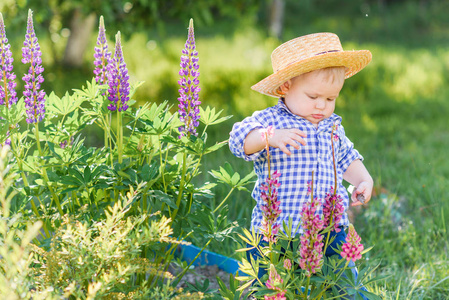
{"x": 285, "y": 86}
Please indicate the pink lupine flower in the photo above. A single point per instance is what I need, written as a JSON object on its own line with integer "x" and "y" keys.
{"x": 271, "y": 208}
{"x": 278, "y": 296}
{"x": 352, "y": 249}
{"x": 311, "y": 250}
{"x": 333, "y": 209}
{"x": 287, "y": 264}
{"x": 309, "y": 220}
{"x": 274, "y": 282}
{"x": 334, "y": 134}
{"x": 274, "y": 279}
{"x": 309, "y": 188}
{"x": 266, "y": 133}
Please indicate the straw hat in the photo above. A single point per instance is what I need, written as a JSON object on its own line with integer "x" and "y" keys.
{"x": 308, "y": 53}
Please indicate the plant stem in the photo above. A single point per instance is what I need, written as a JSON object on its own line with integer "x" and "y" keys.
{"x": 306, "y": 290}
{"x": 333, "y": 160}
{"x": 162, "y": 163}
{"x": 196, "y": 167}
{"x": 119, "y": 137}
{"x": 44, "y": 171}
{"x": 106, "y": 134}
{"x": 162, "y": 169}
{"x": 26, "y": 184}
{"x": 181, "y": 186}
{"x": 335, "y": 187}
{"x": 193, "y": 260}
{"x": 224, "y": 200}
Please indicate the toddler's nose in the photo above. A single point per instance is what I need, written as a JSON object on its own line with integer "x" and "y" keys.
{"x": 321, "y": 103}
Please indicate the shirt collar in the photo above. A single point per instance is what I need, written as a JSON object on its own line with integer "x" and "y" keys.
{"x": 333, "y": 119}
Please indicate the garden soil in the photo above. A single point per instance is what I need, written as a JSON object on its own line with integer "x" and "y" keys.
{"x": 199, "y": 274}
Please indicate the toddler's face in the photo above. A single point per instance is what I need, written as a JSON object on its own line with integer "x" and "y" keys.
{"x": 312, "y": 95}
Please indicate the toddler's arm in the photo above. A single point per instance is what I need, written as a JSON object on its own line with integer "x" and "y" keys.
{"x": 357, "y": 175}
{"x": 280, "y": 139}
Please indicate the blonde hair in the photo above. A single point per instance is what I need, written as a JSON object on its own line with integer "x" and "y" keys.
{"x": 331, "y": 75}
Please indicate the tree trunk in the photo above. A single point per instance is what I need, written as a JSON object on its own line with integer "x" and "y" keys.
{"x": 81, "y": 28}
{"x": 276, "y": 17}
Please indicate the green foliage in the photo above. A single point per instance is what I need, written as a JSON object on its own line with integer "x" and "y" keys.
{"x": 327, "y": 283}
{"x": 16, "y": 257}
{"x": 112, "y": 214}
{"x": 93, "y": 249}
{"x": 100, "y": 259}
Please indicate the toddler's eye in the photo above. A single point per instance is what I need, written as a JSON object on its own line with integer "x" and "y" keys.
{"x": 330, "y": 99}
{"x": 313, "y": 97}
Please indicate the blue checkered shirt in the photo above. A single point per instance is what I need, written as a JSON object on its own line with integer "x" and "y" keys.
{"x": 296, "y": 169}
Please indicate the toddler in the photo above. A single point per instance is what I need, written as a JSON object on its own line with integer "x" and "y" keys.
{"x": 309, "y": 73}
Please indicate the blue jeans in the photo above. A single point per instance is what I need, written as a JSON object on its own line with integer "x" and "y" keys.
{"x": 339, "y": 239}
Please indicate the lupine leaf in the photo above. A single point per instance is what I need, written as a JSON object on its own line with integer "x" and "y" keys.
{"x": 235, "y": 179}
{"x": 215, "y": 147}
{"x": 209, "y": 117}
{"x": 90, "y": 91}
{"x": 161, "y": 196}
{"x": 64, "y": 105}
{"x": 87, "y": 174}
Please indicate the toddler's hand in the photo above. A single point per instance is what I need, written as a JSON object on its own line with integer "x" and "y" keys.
{"x": 362, "y": 194}
{"x": 284, "y": 137}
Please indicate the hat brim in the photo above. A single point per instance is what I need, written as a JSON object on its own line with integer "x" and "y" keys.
{"x": 354, "y": 61}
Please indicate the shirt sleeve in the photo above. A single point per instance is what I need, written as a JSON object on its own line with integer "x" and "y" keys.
{"x": 347, "y": 154}
{"x": 239, "y": 132}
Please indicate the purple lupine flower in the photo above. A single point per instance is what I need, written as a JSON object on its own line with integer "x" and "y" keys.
{"x": 352, "y": 249}
{"x": 7, "y": 76}
{"x": 270, "y": 208}
{"x": 7, "y": 140}
{"x": 63, "y": 144}
{"x": 333, "y": 210}
{"x": 311, "y": 249}
{"x": 118, "y": 79}
{"x": 188, "y": 93}
{"x": 102, "y": 55}
{"x": 34, "y": 96}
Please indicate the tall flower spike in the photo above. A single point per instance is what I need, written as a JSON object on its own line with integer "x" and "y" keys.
{"x": 189, "y": 89}
{"x": 311, "y": 249}
{"x": 118, "y": 79}
{"x": 352, "y": 249}
{"x": 34, "y": 95}
{"x": 274, "y": 282}
{"x": 7, "y": 77}
{"x": 270, "y": 208}
{"x": 333, "y": 210}
{"x": 102, "y": 55}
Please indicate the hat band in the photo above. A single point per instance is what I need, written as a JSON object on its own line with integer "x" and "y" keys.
{"x": 320, "y": 53}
